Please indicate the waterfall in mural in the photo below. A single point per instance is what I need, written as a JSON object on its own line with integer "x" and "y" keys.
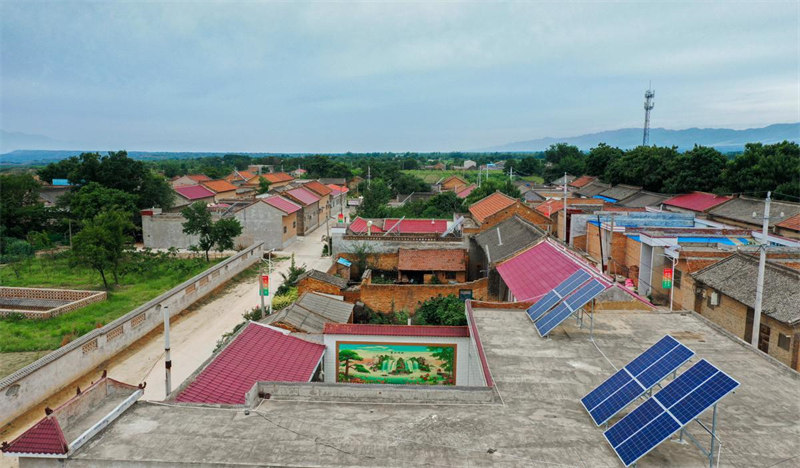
{"x": 396, "y": 363}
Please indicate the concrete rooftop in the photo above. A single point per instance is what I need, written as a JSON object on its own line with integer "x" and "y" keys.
{"x": 540, "y": 421}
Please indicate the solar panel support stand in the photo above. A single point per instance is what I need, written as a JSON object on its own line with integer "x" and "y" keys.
{"x": 713, "y": 432}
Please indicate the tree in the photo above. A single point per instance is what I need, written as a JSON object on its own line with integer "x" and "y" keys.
{"x": 761, "y": 168}
{"x": 263, "y": 185}
{"x": 447, "y": 310}
{"x": 375, "y": 199}
{"x": 562, "y": 158}
{"x": 20, "y": 207}
{"x": 529, "y": 166}
{"x": 407, "y": 183}
{"x": 220, "y": 233}
{"x": 599, "y": 158}
{"x": 345, "y": 356}
{"x": 697, "y": 169}
{"x": 491, "y": 186}
{"x": 445, "y": 354}
{"x": 645, "y": 166}
{"x": 290, "y": 278}
{"x": 101, "y": 243}
{"x": 93, "y": 198}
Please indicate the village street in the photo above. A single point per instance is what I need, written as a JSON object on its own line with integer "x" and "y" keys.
{"x": 193, "y": 335}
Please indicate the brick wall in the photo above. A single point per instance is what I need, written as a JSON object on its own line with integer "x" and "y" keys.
{"x": 394, "y": 297}
{"x": 76, "y": 298}
{"x": 375, "y": 261}
{"x": 593, "y": 241}
{"x": 731, "y": 315}
{"x": 308, "y": 284}
{"x": 520, "y": 209}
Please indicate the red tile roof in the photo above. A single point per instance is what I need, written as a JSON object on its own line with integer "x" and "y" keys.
{"x": 534, "y": 272}
{"x": 490, "y": 205}
{"x": 318, "y": 188}
{"x": 415, "y": 226}
{"x": 359, "y": 226}
{"x": 432, "y": 260}
{"x": 394, "y": 330}
{"x": 239, "y": 175}
{"x": 306, "y": 197}
{"x": 287, "y": 206}
{"x": 194, "y": 192}
{"x": 696, "y": 201}
{"x": 198, "y": 177}
{"x": 274, "y": 177}
{"x": 44, "y": 437}
{"x": 257, "y": 354}
{"x": 554, "y": 205}
{"x": 219, "y": 186}
{"x": 581, "y": 181}
{"x": 792, "y": 223}
{"x": 340, "y": 188}
{"x": 464, "y": 193}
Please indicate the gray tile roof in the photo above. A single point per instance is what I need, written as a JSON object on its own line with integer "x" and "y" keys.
{"x": 311, "y": 312}
{"x": 592, "y": 188}
{"x": 741, "y": 209}
{"x": 514, "y": 235}
{"x": 642, "y": 199}
{"x": 619, "y": 192}
{"x": 736, "y": 277}
{"x": 326, "y": 277}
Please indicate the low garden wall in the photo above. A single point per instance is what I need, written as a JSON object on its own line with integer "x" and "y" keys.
{"x": 32, "y": 384}
{"x": 75, "y": 300}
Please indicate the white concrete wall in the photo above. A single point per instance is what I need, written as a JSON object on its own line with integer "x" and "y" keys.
{"x": 465, "y": 376}
{"x": 32, "y": 384}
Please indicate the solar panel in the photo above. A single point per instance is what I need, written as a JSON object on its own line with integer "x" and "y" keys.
{"x": 653, "y": 422}
{"x": 646, "y": 370}
{"x": 537, "y": 310}
{"x": 586, "y": 293}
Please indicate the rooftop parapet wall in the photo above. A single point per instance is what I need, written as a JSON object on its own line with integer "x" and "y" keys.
{"x": 394, "y": 297}
{"x": 377, "y": 244}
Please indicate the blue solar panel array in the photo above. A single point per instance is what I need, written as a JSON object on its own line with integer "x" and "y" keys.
{"x": 537, "y": 310}
{"x": 586, "y": 293}
{"x": 655, "y": 420}
{"x": 632, "y": 381}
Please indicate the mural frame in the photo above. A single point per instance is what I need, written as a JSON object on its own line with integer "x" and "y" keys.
{"x": 397, "y": 343}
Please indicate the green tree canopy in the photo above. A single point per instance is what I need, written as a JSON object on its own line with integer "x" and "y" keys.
{"x": 447, "y": 310}
{"x": 490, "y": 186}
{"x": 599, "y": 158}
{"x": 20, "y": 207}
{"x": 263, "y": 185}
{"x": 697, "y": 169}
{"x": 220, "y": 233}
{"x": 375, "y": 199}
{"x": 761, "y": 168}
{"x": 93, "y": 198}
{"x": 645, "y": 166}
{"x": 102, "y": 242}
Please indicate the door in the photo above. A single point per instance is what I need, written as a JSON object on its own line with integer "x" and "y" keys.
{"x": 763, "y": 338}
{"x": 748, "y": 325}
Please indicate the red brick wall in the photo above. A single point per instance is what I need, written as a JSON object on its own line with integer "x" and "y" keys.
{"x": 313, "y": 285}
{"x": 394, "y": 297}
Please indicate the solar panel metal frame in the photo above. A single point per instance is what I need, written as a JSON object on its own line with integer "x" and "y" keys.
{"x": 579, "y": 298}
{"x": 687, "y": 391}
{"x": 552, "y": 298}
{"x": 643, "y": 385}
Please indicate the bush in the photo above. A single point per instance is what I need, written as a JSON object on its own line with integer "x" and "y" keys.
{"x": 290, "y": 279}
{"x": 283, "y": 301}
{"x": 448, "y": 310}
{"x": 254, "y": 315}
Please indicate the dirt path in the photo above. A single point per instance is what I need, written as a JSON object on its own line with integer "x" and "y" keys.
{"x": 193, "y": 336}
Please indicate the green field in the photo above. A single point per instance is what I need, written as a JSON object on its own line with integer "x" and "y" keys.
{"x": 147, "y": 278}
{"x": 432, "y": 176}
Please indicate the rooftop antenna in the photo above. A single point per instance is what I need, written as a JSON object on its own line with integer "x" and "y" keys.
{"x": 648, "y": 106}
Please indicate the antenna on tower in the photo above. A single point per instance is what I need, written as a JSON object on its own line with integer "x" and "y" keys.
{"x": 648, "y": 106}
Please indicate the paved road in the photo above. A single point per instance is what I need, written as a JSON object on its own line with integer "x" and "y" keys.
{"x": 193, "y": 337}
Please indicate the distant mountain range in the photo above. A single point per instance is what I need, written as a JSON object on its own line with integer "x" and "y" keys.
{"x": 723, "y": 139}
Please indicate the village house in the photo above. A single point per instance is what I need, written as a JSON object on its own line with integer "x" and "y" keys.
{"x": 223, "y": 190}
{"x": 789, "y": 227}
{"x": 431, "y": 266}
{"x": 275, "y": 179}
{"x": 694, "y": 202}
{"x": 310, "y": 312}
{"x": 618, "y": 192}
{"x": 592, "y": 188}
{"x": 580, "y": 182}
{"x": 748, "y": 212}
{"x": 188, "y": 179}
{"x": 643, "y": 199}
{"x": 188, "y": 194}
{"x": 239, "y": 178}
{"x": 308, "y": 218}
{"x": 453, "y": 183}
{"x": 324, "y": 193}
{"x": 726, "y": 292}
{"x": 498, "y": 207}
{"x": 321, "y": 282}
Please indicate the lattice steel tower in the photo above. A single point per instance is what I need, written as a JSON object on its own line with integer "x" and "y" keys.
{"x": 648, "y": 106}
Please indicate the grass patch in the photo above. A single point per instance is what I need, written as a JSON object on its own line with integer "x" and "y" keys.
{"x": 534, "y": 178}
{"x": 432, "y": 176}
{"x": 148, "y": 275}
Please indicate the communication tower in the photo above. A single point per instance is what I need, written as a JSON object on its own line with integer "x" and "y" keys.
{"x": 648, "y": 106}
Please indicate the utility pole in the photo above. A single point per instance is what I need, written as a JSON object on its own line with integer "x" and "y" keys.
{"x": 511, "y": 174}
{"x": 369, "y": 176}
{"x": 479, "y": 175}
{"x": 167, "y": 358}
{"x": 648, "y": 106}
{"x": 762, "y": 260}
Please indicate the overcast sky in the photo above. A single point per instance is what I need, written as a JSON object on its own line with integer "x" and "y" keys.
{"x": 387, "y": 76}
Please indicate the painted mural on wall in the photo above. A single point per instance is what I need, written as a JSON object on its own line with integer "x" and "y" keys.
{"x": 396, "y": 363}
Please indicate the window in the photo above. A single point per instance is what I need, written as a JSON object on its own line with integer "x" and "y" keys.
{"x": 783, "y": 341}
{"x": 713, "y": 299}
{"x": 451, "y": 275}
{"x": 676, "y": 278}
{"x": 294, "y": 224}
{"x": 284, "y": 229}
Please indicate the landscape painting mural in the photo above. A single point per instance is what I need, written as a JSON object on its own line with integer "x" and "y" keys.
{"x": 396, "y": 363}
